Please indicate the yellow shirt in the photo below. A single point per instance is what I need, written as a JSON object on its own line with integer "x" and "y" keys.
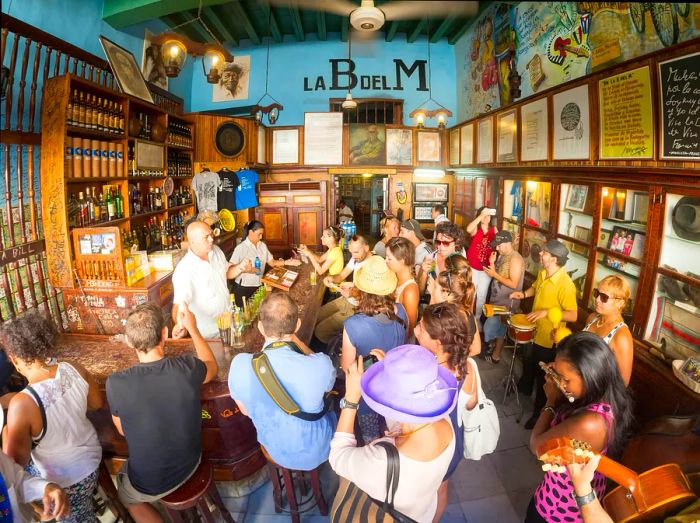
{"x": 336, "y": 256}
{"x": 557, "y": 291}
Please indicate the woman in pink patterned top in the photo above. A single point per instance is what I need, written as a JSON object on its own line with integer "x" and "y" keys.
{"x": 600, "y": 416}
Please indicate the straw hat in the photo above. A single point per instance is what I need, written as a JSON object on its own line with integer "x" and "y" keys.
{"x": 375, "y": 277}
{"x": 409, "y": 385}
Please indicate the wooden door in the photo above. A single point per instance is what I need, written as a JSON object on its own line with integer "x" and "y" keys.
{"x": 275, "y": 221}
{"x": 307, "y": 226}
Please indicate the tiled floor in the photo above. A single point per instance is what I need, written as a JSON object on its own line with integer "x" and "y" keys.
{"x": 497, "y": 488}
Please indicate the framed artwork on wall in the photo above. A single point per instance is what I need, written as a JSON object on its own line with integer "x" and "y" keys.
{"x": 367, "y": 144}
{"x": 583, "y": 234}
{"x": 454, "y": 147}
{"x": 399, "y": 146}
{"x": 534, "y": 131}
{"x": 572, "y": 128}
{"x": 285, "y": 146}
{"x": 323, "y": 138}
{"x": 576, "y": 198}
{"x": 466, "y": 144}
{"x": 126, "y": 71}
{"x": 428, "y": 146}
{"x": 507, "y": 136}
{"x": 485, "y": 143}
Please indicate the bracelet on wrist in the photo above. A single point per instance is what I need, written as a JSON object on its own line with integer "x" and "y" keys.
{"x": 548, "y": 408}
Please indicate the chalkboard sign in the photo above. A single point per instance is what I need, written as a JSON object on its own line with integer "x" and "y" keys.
{"x": 680, "y": 108}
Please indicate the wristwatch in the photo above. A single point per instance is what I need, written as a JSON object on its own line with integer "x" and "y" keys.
{"x": 584, "y": 500}
{"x": 345, "y": 404}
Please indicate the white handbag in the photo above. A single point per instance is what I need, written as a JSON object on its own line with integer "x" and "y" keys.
{"x": 480, "y": 425}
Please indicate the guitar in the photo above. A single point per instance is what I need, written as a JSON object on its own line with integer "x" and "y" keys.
{"x": 646, "y": 497}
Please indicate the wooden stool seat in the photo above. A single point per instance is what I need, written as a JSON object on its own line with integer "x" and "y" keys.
{"x": 283, "y": 479}
{"x": 193, "y": 493}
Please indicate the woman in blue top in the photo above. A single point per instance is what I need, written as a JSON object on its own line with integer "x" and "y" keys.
{"x": 378, "y": 323}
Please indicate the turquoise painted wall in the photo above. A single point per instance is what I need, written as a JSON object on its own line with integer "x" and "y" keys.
{"x": 291, "y": 62}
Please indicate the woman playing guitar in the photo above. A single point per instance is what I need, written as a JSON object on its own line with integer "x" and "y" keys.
{"x": 600, "y": 415}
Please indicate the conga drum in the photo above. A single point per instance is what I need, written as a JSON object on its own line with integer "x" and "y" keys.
{"x": 520, "y": 330}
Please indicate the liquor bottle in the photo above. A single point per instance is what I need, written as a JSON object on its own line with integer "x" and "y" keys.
{"x": 82, "y": 210}
{"x": 110, "y": 117}
{"x": 73, "y": 211}
{"x": 81, "y": 110}
{"x": 159, "y": 200}
{"x": 120, "y": 119}
{"x": 111, "y": 210}
{"x": 102, "y": 204}
{"x": 118, "y": 204}
{"x": 69, "y": 111}
{"x": 145, "y": 233}
{"x": 100, "y": 115}
{"x": 164, "y": 243}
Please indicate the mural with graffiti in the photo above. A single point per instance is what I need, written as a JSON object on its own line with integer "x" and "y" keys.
{"x": 516, "y": 50}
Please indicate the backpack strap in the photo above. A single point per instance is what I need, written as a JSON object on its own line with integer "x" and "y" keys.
{"x": 392, "y": 483}
{"x": 272, "y": 385}
{"x": 42, "y": 410}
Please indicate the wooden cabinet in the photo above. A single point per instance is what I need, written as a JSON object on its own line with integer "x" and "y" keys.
{"x": 292, "y": 213}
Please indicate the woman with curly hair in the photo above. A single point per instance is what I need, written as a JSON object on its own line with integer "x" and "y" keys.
{"x": 449, "y": 238}
{"x": 447, "y": 332}
{"x": 61, "y": 441}
{"x": 378, "y": 323}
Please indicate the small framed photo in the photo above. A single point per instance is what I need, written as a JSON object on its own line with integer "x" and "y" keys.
{"x": 583, "y": 234}
{"x": 627, "y": 241}
{"x": 604, "y": 238}
{"x": 640, "y": 207}
{"x": 576, "y": 198}
{"x": 126, "y": 70}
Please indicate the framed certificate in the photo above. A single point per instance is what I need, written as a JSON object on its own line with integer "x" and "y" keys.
{"x": 572, "y": 128}
{"x": 323, "y": 138}
{"x": 485, "y": 142}
{"x": 285, "y": 146}
{"x": 507, "y": 136}
{"x": 534, "y": 131}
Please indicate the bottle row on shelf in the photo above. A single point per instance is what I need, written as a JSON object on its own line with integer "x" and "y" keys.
{"x": 146, "y": 201}
{"x": 93, "y": 112}
{"x": 88, "y": 158}
{"x": 150, "y": 236}
{"x": 144, "y": 128}
{"x": 179, "y": 134}
{"x": 91, "y": 208}
{"x": 183, "y": 196}
{"x": 179, "y": 164}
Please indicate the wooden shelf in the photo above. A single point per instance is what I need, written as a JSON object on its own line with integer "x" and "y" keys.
{"x": 88, "y": 179}
{"x": 142, "y": 178}
{"x": 147, "y": 214}
{"x": 103, "y": 224}
{"x": 180, "y": 207}
{"x": 71, "y": 129}
{"x": 179, "y": 147}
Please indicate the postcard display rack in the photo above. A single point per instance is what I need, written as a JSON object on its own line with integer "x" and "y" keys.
{"x": 133, "y": 148}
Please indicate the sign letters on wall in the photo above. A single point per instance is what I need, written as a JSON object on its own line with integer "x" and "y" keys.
{"x": 343, "y": 77}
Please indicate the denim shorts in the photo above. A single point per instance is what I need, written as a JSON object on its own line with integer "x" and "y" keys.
{"x": 494, "y": 328}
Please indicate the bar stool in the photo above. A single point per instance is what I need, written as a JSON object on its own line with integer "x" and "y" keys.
{"x": 283, "y": 479}
{"x": 109, "y": 491}
{"x": 193, "y": 494}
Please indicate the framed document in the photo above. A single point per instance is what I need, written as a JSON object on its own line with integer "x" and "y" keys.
{"x": 626, "y": 121}
{"x": 285, "y": 146}
{"x": 454, "y": 147}
{"x": 430, "y": 192}
{"x": 485, "y": 150}
{"x": 466, "y": 144}
{"x": 399, "y": 146}
{"x": 534, "y": 131}
{"x": 428, "y": 146}
{"x": 323, "y": 138}
{"x": 507, "y": 136}
{"x": 572, "y": 127}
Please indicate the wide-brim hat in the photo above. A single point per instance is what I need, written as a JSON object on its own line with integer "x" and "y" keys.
{"x": 375, "y": 277}
{"x": 409, "y": 386}
{"x": 685, "y": 218}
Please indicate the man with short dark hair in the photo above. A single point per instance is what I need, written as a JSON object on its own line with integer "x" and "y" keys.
{"x": 437, "y": 213}
{"x": 156, "y": 406}
{"x": 292, "y": 442}
{"x": 410, "y": 229}
{"x": 334, "y": 313}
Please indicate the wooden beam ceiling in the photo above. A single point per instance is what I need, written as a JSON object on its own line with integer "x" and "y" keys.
{"x": 188, "y": 30}
{"x": 417, "y": 30}
{"x": 239, "y": 12}
{"x": 221, "y": 30}
{"x": 344, "y": 29}
{"x": 442, "y": 29}
{"x": 391, "y": 31}
{"x": 296, "y": 23}
{"x": 123, "y": 13}
{"x": 321, "y": 23}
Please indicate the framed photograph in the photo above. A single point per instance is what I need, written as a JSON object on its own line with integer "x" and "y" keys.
{"x": 583, "y": 234}
{"x": 576, "y": 198}
{"x": 428, "y": 146}
{"x": 323, "y": 138}
{"x": 571, "y": 125}
{"x": 430, "y": 192}
{"x": 126, "y": 70}
{"x": 152, "y": 65}
{"x": 627, "y": 241}
{"x": 617, "y": 207}
{"x": 604, "y": 238}
{"x": 233, "y": 84}
{"x": 285, "y": 146}
{"x": 466, "y": 144}
{"x": 507, "y": 136}
{"x": 534, "y": 131}
{"x": 454, "y": 147}
{"x": 640, "y": 207}
{"x": 367, "y": 144}
{"x": 485, "y": 143}
{"x": 399, "y": 147}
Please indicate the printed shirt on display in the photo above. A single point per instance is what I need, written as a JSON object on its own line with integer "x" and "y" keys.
{"x": 228, "y": 183}
{"x": 245, "y": 194}
{"x": 206, "y": 187}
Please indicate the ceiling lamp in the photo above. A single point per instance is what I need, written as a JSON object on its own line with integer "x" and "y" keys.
{"x": 349, "y": 104}
{"x": 272, "y": 110}
{"x": 424, "y": 111}
{"x": 175, "y": 47}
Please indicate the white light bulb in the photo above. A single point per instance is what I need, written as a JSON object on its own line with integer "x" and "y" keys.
{"x": 174, "y": 51}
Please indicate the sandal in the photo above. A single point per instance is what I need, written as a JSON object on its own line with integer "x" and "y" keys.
{"x": 491, "y": 359}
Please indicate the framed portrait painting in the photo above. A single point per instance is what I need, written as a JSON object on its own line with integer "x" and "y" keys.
{"x": 367, "y": 144}
{"x": 126, "y": 70}
{"x": 576, "y": 198}
{"x": 428, "y": 146}
{"x": 399, "y": 147}
{"x": 233, "y": 84}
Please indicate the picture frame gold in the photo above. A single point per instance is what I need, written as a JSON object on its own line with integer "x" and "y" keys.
{"x": 126, "y": 71}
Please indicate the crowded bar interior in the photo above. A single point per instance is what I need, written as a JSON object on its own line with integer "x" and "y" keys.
{"x": 349, "y": 261}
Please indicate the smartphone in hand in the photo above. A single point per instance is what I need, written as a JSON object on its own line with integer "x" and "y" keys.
{"x": 368, "y": 360}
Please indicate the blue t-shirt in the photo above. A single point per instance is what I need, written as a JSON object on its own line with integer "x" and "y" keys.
{"x": 376, "y": 332}
{"x": 292, "y": 442}
{"x": 245, "y": 193}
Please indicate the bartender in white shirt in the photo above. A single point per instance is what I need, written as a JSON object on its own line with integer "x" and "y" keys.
{"x": 250, "y": 249}
{"x": 200, "y": 281}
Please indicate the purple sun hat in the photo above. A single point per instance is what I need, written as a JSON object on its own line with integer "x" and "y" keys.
{"x": 408, "y": 385}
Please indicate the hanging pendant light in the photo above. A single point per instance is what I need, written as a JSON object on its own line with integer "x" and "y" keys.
{"x": 349, "y": 104}
{"x": 272, "y": 110}
{"x": 174, "y": 55}
{"x": 215, "y": 59}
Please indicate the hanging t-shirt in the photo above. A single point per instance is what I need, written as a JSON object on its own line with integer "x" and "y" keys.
{"x": 205, "y": 186}
{"x": 245, "y": 194}
{"x": 228, "y": 183}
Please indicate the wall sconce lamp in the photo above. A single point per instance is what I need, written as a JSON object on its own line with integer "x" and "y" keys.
{"x": 175, "y": 48}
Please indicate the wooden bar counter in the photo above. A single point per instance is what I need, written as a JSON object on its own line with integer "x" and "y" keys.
{"x": 229, "y": 440}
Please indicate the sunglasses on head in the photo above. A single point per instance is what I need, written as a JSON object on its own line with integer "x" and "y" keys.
{"x": 444, "y": 242}
{"x": 603, "y": 297}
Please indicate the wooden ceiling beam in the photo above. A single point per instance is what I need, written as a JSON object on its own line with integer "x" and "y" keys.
{"x": 240, "y": 15}
{"x": 391, "y": 32}
{"x": 344, "y": 29}
{"x": 296, "y": 23}
{"x": 123, "y": 13}
{"x": 274, "y": 28}
{"x": 413, "y": 35}
{"x": 196, "y": 26}
{"x": 442, "y": 29}
{"x": 188, "y": 30}
{"x": 460, "y": 30}
{"x": 321, "y": 23}
{"x": 217, "y": 25}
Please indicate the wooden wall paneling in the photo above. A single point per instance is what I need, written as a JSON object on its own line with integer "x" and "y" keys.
{"x": 206, "y": 125}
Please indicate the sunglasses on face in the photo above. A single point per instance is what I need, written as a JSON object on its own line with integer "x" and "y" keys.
{"x": 444, "y": 243}
{"x": 603, "y": 297}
